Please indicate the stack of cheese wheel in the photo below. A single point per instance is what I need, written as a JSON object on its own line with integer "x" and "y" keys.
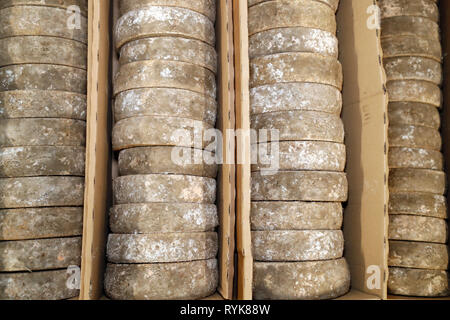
{"x": 163, "y": 244}
{"x": 296, "y": 213}
{"x": 42, "y": 146}
{"x": 418, "y": 256}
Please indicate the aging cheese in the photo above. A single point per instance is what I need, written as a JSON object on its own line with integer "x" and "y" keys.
{"x": 170, "y": 160}
{"x": 410, "y": 26}
{"x": 162, "y": 74}
{"x": 42, "y": 161}
{"x": 266, "y": 216}
{"x": 295, "y": 39}
{"x": 38, "y": 49}
{"x": 417, "y": 228}
{"x": 159, "y": 131}
{"x": 417, "y": 180}
{"x": 42, "y": 104}
{"x": 297, "y": 245}
{"x": 43, "y": 254}
{"x": 418, "y": 282}
{"x": 205, "y": 7}
{"x": 415, "y": 158}
{"x": 41, "y": 223}
{"x": 414, "y": 91}
{"x": 413, "y": 68}
{"x": 32, "y": 20}
{"x": 41, "y": 192}
{"x": 299, "y": 186}
{"x": 295, "y": 67}
{"x": 163, "y": 217}
{"x": 400, "y": 46}
{"x": 415, "y": 137}
{"x": 332, "y": 3}
{"x": 298, "y": 13}
{"x": 168, "y": 102}
{"x": 42, "y": 132}
{"x": 414, "y": 114}
{"x": 161, "y": 247}
{"x": 164, "y": 188}
{"x": 416, "y": 8}
{"x": 300, "y": 280}
{"x": 171, "y": 49}
{"x": 295, "y": 96}
{"x": 418, "y": 255}
{"x": 168, "y": 281}
{"x": 299, "y": 126}
{"x": 156, "y": 21}
{"x": 43, "y": 285}
{"x": 43, "y": 77}
{"x": 300, "y": 155}
{"x": 422, "y": 204}
{"x": 65, "y": 4}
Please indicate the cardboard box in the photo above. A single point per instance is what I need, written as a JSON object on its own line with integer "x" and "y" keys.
{"x": 102, "y": 165}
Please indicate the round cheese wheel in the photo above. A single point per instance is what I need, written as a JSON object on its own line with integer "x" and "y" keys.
{"x": 43, "y": 77}
{"x": 42, "y": 132}
{"x": 164, "y": 188}
{"x": 415, "y": 158}
{"x": 42, "y": 161}
{"x": 170, "y": 160}
{"x": 417, "y": 180}
{"x": 43, "y": 285}
{"x": 32, "y": 20}
{"x": 300, "y": 280}
{"x": 418, "y": 27}
{"x": 163, "y": 217}
{"x": 295, "y": 96}
{"x": 44, "y": 254}
{"x": 414, "y": 114}
{"x": 42, "y": 104}
{"x": 41, "y": 192}
{"x": 416, "y": 8}
{"x": 166, "y": 281}
{"x": 47, "y": 50}
{"x": 65, "y": 4}
{"x": 167, "y": 102}
{"x": 297, "y": 245}
{"x": 159, "y": 131}
{"x": 155, "y": 21}
{"x": 161, "y": 247}
{"x": 298, "y": 13}
{"x": 299, "y": 126}
{"x": 415, "y": 137}
{"x": 296, "y": 39}
{"x": 40, "y": 223}
{"x": 332, "y": 3}
{"x": 413, "y": 68}
{"x": 296, "y": 216}
{"x": 419, "y": 255}
{"x": 295, "y": 67}
{"x": 205, "y": 7}
{"x": 418, "y": 282}
{"x": 422, "y": 204}
{"x": 299, "y": 186}
{"x": 417, "y": 228}
{"x": 171, "y": 74}
{"x": 414, "y": 91}
{"x": 300, "y": 155}
{"x": 400, "y": 46}
{"x": 171, "y": 49}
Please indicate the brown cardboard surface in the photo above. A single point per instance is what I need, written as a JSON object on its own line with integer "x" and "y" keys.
{"x": 364, "y": 115}
{"x": 97, "y": 151}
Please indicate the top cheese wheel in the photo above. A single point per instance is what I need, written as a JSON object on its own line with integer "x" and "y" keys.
{"x": 418, "y": 8}
{"x": 410, "y": 26}
{"x": 205, "y": 7}
{"x": 157, "y": 21}
{"x": 40, "y": 21}
{"x": 64, "y": 4}
{"x": 295, "y": 67}
{"x": 296, "y": 13}
{"x": 332, "y": 3}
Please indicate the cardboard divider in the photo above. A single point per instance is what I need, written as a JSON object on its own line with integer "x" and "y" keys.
{"x": 101, "y": 162}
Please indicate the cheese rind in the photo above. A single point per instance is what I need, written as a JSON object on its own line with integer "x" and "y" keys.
{"x": 417, "y": 180}
{"x": 413, "y": 68}
{"x": 422, "y": 204}
{"x": 416, "y": 8}
{"x": 414, "y": 114}
{"x": 418, "y": 282}
{"x": 415, "y": 158}
{"x": 402, "y": 46}
{"x": 419, "y": 255}
{"x": 418, "y": 27}
{"x": 415, "y": 137}
{"x": 300, "y": 280}
{"x": 417, "y": 228}
{"x": 65, "y": 4}
{"x": 185, "y": 280}
{"x": 414, "y": 91}
{"x": 332, "y": 3}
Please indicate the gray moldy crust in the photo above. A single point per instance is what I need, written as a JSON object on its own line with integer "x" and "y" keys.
{"x": 83, "y": 4}
{"x": 418, "y": 255}
{"x": 421, "y": 204}
{"x": 418, "y": 282}
{"x": 418, "y": 228}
